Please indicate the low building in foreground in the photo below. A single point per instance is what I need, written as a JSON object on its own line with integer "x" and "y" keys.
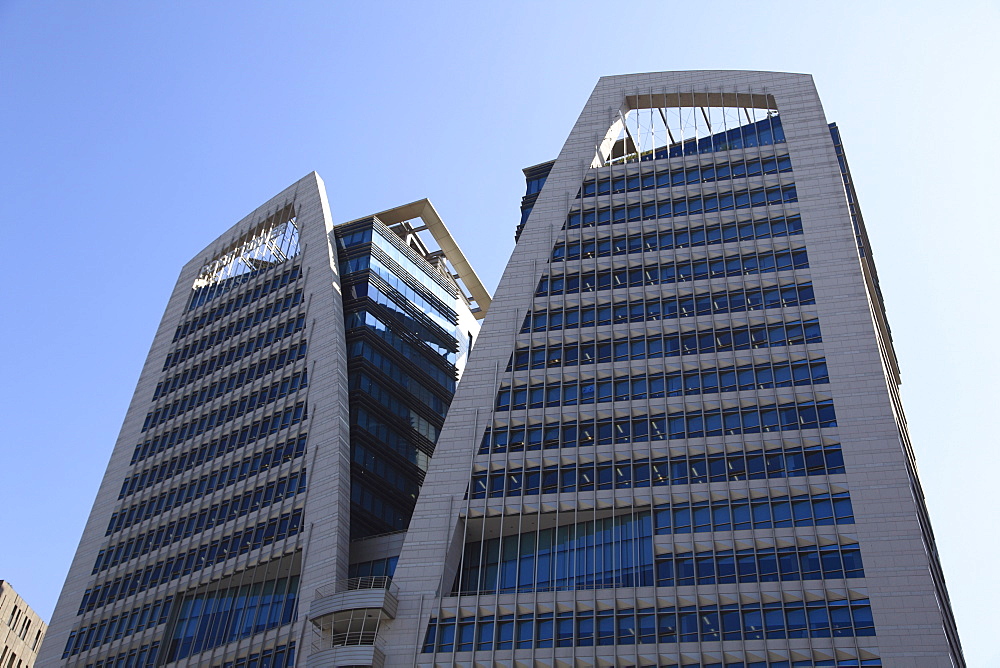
{"x": 22, "y": 631}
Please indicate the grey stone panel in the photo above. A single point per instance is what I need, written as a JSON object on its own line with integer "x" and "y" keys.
{"x": 324, "y": 532}
{"x": 909, "y": 618}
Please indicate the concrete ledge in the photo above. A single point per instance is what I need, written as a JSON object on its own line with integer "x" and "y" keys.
{"x": 354, "y": 655}
{"x": 355, "y": 599}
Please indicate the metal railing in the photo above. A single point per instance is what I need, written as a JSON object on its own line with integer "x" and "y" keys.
{"x": 350, "y": 639}
{"x": 372, "y": 639}
{"x": 355, "y": 584}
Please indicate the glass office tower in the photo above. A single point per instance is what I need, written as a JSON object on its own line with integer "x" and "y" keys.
{"x": 679, "y": 441}
{"x": 405, "y": 347}
{"x": 290, "y": 402}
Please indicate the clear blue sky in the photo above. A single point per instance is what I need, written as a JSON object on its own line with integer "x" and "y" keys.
{"x": 133, "y": 133}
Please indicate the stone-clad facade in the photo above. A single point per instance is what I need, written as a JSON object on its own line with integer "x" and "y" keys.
{"x": 679, "y": 440}
{"x": 290, "y": 401}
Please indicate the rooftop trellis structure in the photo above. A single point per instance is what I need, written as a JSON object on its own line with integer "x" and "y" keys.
{"x": 399, "y": 219}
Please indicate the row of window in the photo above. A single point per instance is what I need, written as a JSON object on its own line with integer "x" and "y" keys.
{"x": 234, "y": 328}
{"x": 651, "y": 241}
{"x": 210, "y": 284}
{"x": 195, "y": 559}
{"x": 218, "y": 617}
{"x": 388, "y": 242}
{"x": 679, "y": 271}
{"x": 426, "y": 360}
{"x": 207, "y": 484}
{"x": 393, "y": 331}
{"x": 533, "y": 186}
{"x": 408, "y": 266}
{"x": 118, "y": 626}
{"x": 668, "y": 344}
{"x": 198, "y": 521}
{"x": 282, "y": 656}
{"x": 441, "y": 339}
{"x": 406, "y": 482}
{"x": 238, "y": 302}
{"x": 691, "y": 468}
{"x": 435, "y": 309}
{"x": 23, "y": 635}
{"x": 679, "y": 176}
{"x": 790, "y": 563}
{"x": 254, "y": 344}
{"x": 267, "y": 425}
{"x": 389, "y": 435}
{"x": 233, "y": 354}
{"x": 665, "y": 384}
{"x": 418, "y": 319}
{"x": 375, "y": 503}
{"x": 364, "y": 382}
{"x": 247, "y": 467}
{"x": 356, "y": 238}
{"x": 374, "y": 568}
{"x": 233, "y": 381}
{"x": 599, "y": 554}
{"x": 402, "y": 379}
{"x": 696, "y": 423}
{"x": 243, "y": 406}
{"x": 848, "y": 189}
{"x": 514, "y": 564}
{"x": 762, "y": 513}
{"x": 17, "y": 614}
{"x": 139, "y": 657}
{"x": 707, "y": 623}
{"x": 668, "y": 307}
{"x": 681, "y": 206}
{"x": 234, "y": 409}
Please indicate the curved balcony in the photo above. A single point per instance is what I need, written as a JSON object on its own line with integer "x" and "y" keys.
{"x": 378, "y": 593}
{"x": 353, "y": 651}
{"x": 346, "y": 617}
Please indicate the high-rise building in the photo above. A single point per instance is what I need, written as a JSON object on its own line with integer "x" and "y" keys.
{"x": 22, "y": 632}
{"x": 679, "y": 440}
{"x": 290, "y": 403}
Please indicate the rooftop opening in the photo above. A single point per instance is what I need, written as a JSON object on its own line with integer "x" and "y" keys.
{"x": 267, "y": 244}
{"x": 667, "y": 125}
